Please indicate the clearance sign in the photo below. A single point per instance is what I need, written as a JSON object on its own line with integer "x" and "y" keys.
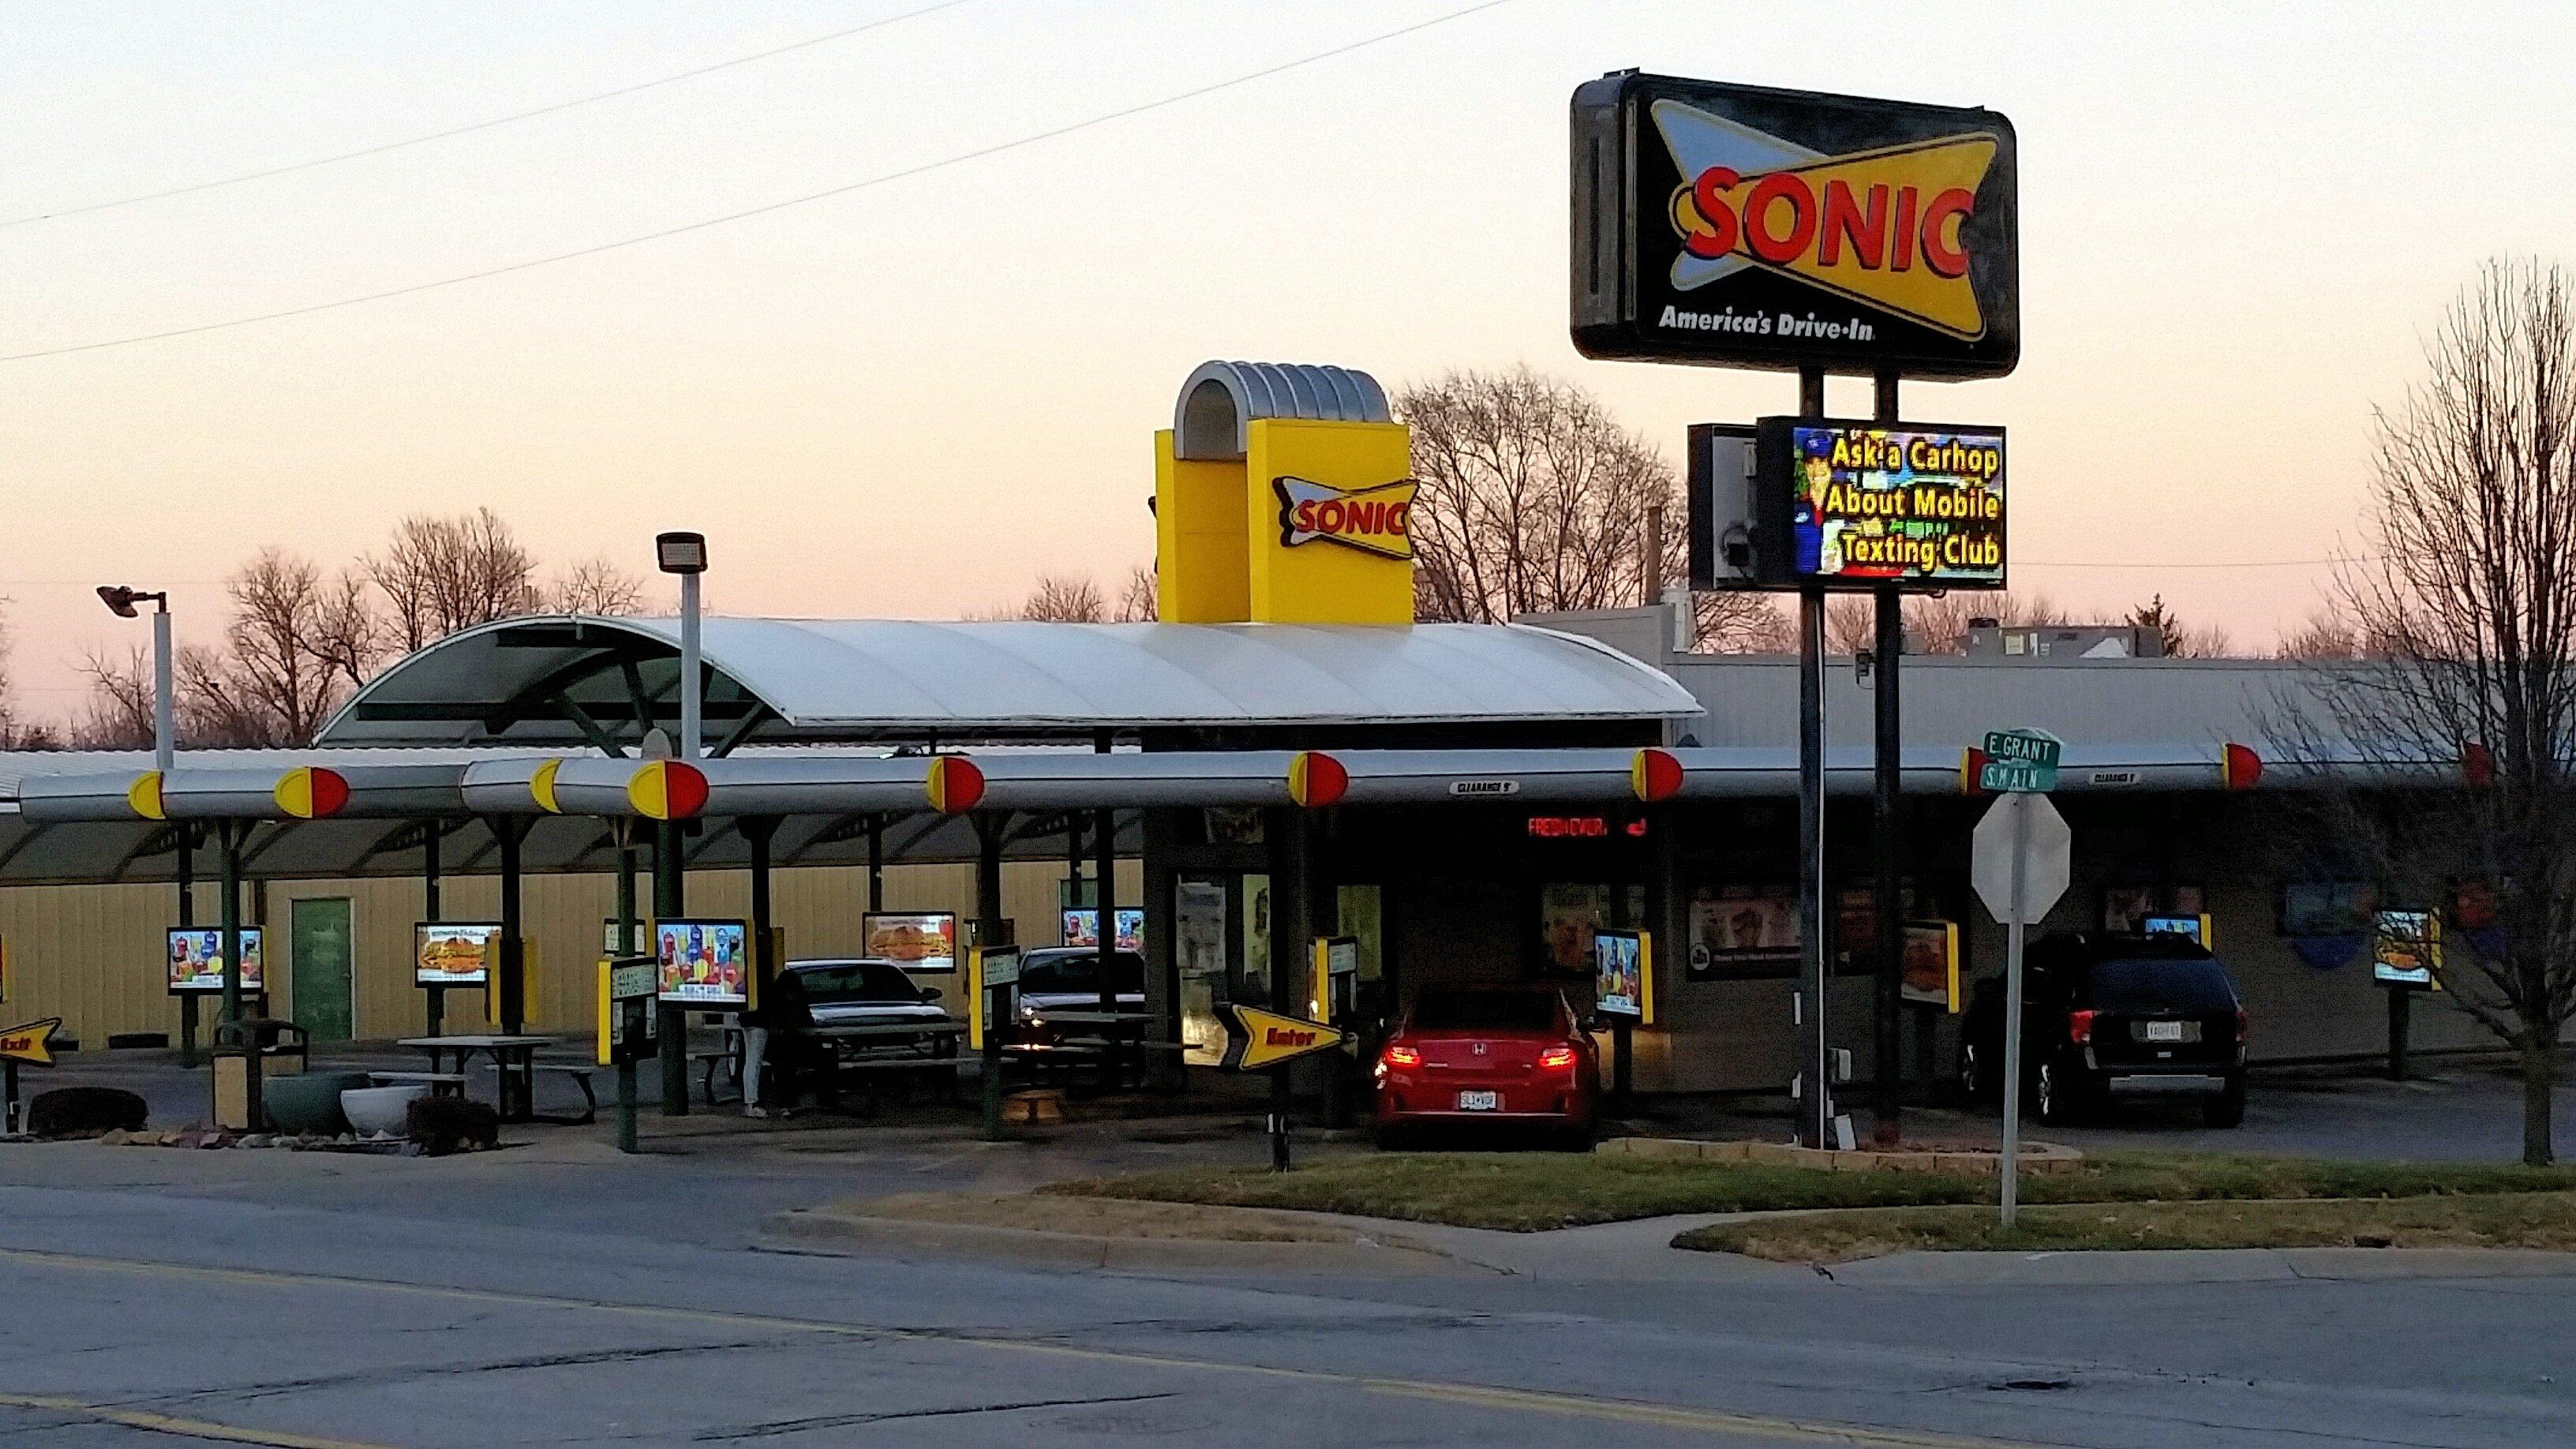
{"x": 1743, "y": 226}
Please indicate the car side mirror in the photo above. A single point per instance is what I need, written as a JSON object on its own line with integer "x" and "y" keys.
{"x": 930, "y": 993}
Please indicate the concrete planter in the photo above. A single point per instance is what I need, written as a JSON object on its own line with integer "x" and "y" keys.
{"x": 371, "y": 1110}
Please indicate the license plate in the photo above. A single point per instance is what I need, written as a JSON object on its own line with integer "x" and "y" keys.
{"x": 2164, "y": 1031}
{"x": 1480, "y": 1101}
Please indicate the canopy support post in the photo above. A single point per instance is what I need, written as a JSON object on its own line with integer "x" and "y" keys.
{"x": 673, "y": 1029}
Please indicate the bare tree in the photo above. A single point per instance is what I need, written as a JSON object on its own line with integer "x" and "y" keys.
{"x": 1064, "y": 599}
{"x": 297, "y": 645}
{"x": 2329, "y": 635}
{"x": 1532, "y": 498}
{"x": 2462, "y": 706}
{"x": 119, "y": 714}
{"x": 1734, "y": 621}
{"x": 596, "y": 586}
{"x": 440, "y": 575}
{"x": 1136, "y": 599}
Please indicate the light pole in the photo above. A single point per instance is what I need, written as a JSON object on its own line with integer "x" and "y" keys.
{"x": 120, "y": 601}
{"x": 684, "y": 554}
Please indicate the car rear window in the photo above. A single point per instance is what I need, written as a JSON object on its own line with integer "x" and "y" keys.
{"x": 2172, "y": 983}
{"x": 1485, "y": 1011}
{"x": 856, "y": 981}
{"x": 1049, "y": 974}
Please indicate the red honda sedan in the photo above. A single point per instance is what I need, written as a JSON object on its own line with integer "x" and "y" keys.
{"x": 1506, "y": 1054}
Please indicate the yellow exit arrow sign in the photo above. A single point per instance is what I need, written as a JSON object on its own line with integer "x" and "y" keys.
{"x": 32, "y": 1043}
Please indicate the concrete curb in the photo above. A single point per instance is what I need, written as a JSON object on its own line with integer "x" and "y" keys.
{"x": 2036, "y": 1157}
{"x": 2124, "y": 1267}
{"x": 1377, "y": 1254}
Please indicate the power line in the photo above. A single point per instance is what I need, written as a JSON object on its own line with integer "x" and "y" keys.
{"x": 511, "y": 119}
{"x": 845, "y": 189}
{"x": 2256, "y": 563}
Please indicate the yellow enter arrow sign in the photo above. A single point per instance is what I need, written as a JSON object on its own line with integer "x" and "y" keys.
{"x": 1266, "y": 1038}
{"x": 33, "y": 1042}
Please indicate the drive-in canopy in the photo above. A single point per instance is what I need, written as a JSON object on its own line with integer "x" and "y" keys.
{"x": 585, "y": 683}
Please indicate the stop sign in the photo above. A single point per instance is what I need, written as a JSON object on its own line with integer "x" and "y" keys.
{"x": 2047, "y": 850}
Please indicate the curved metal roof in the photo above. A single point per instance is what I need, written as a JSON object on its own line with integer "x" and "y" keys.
{"x": 537, "y": 681}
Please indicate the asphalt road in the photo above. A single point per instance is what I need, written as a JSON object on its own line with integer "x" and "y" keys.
{"x": 557, "y": 1293}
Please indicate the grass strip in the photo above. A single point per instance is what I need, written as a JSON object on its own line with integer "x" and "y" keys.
{"x": 1533, "y": 1191}
{"x": 2495, "y": 1220}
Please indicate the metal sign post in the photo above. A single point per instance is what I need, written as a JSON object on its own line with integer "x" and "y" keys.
{"x": 2023, "y": 856}
{"x": 1269, "y": 1041}
{"x": 31, "y": 1043}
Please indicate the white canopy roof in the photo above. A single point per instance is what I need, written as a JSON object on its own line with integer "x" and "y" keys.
{"x": 818, "y": 679}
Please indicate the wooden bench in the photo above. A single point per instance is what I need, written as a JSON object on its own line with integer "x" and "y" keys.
{"x": 441, "y": 1084}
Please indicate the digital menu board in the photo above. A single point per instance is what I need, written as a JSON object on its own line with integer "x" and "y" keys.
{"x": 1619, "y": 973}
{"x": 197, "y": 961}
{"x": 2406, "y": 948}
{"x": 1858, "y": 504}
{"x": 454, "y": 953}
{"x": 1082, "y": 927}
{"x": 703, "y": 963}
{"x": 926, "y": 941}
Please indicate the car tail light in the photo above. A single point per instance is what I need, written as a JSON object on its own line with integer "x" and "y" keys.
{"x": 2079, "y": 1027}
{"x": 2244, "y": 1026}
{"x": 1557, "y": 1058}
{"x": 1403, "y": 1056}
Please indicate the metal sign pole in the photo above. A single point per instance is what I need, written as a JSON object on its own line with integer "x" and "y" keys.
{"x": 1887, "y": 831}
{"x": 627, "y": 945}
{"x": 1811, "y": 823}
{"x": 2009, "y": 1170}
{"x": 187, "y": 917}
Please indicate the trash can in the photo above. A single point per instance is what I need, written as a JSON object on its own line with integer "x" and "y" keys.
{"x": 244, "y": 1051}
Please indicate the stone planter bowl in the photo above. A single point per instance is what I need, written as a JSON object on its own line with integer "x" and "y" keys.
{"x": 371, "y": 1110}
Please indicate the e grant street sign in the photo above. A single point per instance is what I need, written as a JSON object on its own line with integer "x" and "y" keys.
{"x": 2022, "y": 761}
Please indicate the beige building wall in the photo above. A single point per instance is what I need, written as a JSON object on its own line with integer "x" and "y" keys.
{"x": 93, "y": 954}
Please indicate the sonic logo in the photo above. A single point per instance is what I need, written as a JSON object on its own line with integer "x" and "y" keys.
{"x": 1376, "y": 520}
{"x": 1885, "y": 226}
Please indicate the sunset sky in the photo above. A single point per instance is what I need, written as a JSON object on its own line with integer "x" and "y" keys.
{"x": 2238, "y": 220}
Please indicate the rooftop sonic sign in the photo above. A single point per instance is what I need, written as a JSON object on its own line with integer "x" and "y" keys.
{"x": 1375, "y": 520}
{"x": 1742, "y": 226}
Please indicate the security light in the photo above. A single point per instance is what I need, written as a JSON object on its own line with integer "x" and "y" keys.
{"x": 120, "y": 600}
{"x": 680, "y": 553}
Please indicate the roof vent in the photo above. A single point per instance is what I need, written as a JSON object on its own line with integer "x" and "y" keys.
{"x": 1212, "y": 422}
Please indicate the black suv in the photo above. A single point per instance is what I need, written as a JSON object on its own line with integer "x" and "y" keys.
{"x": 2113, "y": 1016}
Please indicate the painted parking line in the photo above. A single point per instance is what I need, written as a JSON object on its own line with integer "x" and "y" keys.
{"x": 1678, "y": 1418}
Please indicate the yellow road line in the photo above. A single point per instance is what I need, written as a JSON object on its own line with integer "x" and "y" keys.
{"x": 1528, "y": 1401}
{"x": 171, "y": 1424}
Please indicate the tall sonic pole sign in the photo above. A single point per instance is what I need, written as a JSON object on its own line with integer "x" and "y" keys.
{"x": 1739, "y": 226}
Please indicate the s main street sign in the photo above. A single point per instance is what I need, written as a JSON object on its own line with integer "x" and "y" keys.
{"x": 1748, "y": 227}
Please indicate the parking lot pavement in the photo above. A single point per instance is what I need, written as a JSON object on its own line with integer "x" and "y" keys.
{"x": 2456, "y": 1111}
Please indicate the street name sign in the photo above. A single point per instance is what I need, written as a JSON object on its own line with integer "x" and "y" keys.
{"x": 2020, "y": 762}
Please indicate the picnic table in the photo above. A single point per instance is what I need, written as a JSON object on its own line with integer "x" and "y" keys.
{"x": 513, "y": 1060}
{"x": 1117, "y": 1038}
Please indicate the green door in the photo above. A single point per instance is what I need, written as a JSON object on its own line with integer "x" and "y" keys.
{"x": 318, "y": 933}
